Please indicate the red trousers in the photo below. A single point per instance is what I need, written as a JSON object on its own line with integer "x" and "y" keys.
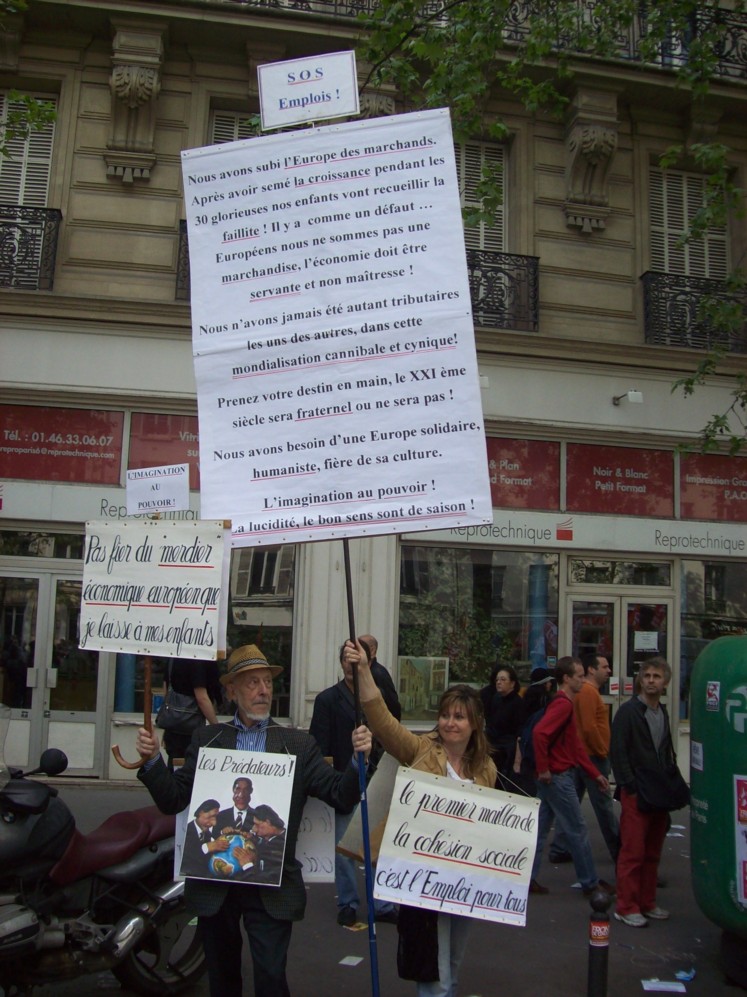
{"x": 641, "y": 841}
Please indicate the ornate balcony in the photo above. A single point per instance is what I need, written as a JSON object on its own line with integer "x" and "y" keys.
{"x": 28, "y": 246}
{"x": 674, "y": 313}
{"x": 504, "y": 289}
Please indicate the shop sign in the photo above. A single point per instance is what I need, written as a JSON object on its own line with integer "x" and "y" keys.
{"x": 713, "y": 486}
{"x": 164, "y": 439}
{"x": 524, "y": 474}
{"x": 60, "y": 444}
{"x": 622, "y": 480}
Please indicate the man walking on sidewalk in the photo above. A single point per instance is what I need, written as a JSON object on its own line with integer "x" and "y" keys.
{"x": 641, "y": 739}
{"x": 558, "y": 750}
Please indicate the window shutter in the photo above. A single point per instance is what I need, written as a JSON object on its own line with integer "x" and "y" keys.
{"x": 228, "y": 126}
{"x": 471, "y": 158}
{"x": 24, "y": 171}
{"x": 675, "y": 197}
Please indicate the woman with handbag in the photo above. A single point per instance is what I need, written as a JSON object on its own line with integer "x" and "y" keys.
{"x": 431, "y": 945}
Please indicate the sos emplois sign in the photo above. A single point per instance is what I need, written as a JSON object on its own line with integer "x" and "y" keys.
{"x": 310, "y": 89}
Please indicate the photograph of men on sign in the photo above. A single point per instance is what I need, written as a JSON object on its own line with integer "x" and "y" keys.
{"x": 233, "y": 837}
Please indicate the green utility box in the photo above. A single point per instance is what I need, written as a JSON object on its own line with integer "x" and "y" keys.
{"x": 718, "y": 781}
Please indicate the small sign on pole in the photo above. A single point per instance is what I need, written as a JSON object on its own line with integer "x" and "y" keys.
{"x": 157, "y": 489}
{"x": 312, "y": 89}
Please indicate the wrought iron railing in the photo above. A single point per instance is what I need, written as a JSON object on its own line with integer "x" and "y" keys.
{"x": 677, "y": 312}
{"x": 504, "y": 289}
{"x": 28, "y": 246}
{"x": 672, "y": 52}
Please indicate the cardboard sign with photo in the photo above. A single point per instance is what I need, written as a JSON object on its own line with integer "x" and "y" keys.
{"x": 237, "y": 817}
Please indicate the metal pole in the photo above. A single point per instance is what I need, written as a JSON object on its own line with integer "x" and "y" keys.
{"x": 599, "y": 944}
{"x": 368, "y": 864}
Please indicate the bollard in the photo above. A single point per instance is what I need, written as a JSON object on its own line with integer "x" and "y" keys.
{"x": 599, "y": 944}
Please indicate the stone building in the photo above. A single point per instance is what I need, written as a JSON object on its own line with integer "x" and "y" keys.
{"x": 605, "y": 535}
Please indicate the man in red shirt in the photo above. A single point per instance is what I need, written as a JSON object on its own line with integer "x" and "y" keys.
{"x": 558, "y": 750}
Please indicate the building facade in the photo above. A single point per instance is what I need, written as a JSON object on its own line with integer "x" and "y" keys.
{"x": 606, "y": 535}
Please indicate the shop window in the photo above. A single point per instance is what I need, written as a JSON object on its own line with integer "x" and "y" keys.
{"x": 714, "y": 604}
{"x": 475, "y": 607}
{"x": 41, "y": 543}
{"x": 587, "y": 571}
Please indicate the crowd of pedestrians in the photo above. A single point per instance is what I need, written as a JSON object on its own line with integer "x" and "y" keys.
{"x": 552, "y": 740}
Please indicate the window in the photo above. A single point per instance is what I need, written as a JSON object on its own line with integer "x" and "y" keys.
{"x": 675, "y": 199}
{"x": 471, "y": 159}
{"x": 263, "y": 571}
{"x": 229, "y": 126}
{"x": 24, "y": 170}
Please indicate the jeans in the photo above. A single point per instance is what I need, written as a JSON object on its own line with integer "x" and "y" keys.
{"x": 346, "y": 873}
{"x": 602, "y": 805}
{"x": 453, "y": 932}
{"x": 559, "y": 797}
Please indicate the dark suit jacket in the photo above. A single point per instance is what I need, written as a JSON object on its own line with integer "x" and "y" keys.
{"x": 171, "y": 791}
{"x": 269, "y": 858}
{"x": 194, "y": 860}
{"x": 225, "y": 819}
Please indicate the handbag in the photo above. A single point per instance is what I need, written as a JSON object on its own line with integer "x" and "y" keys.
{"x": 661, "y": 789}
{"x": 179, "y": 713}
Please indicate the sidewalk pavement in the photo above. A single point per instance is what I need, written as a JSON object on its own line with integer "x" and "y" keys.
{"x": 548, "y": 957}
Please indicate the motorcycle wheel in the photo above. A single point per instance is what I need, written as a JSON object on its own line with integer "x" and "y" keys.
{"x": 167, "y": 960}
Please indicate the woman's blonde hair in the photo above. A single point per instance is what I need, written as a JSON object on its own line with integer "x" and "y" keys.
{"x": 477, "y": 751}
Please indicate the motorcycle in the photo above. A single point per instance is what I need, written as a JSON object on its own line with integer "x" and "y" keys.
{"x": 73, "y": 904}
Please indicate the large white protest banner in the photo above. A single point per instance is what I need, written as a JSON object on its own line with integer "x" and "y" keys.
{"x": 337, "y": 379}
{"x": 455, "y": 847}
{"x": 155, "y": 587}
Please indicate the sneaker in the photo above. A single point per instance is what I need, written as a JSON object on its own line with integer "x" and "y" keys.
{"x": 535, "y": 887}
{"x": 387, "y": 917}
{"x": 557, "y": 858}
{"x": 634, "y": 920}
{"x": 657, "y": 914}
{"x": 347, "y": 916}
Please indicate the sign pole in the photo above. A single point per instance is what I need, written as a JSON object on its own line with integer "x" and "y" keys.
{"x": 372, "y": 947}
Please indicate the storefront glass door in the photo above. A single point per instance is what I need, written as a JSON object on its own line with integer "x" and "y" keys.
{"x": 624, "y": 629}
{"x": 52, "y": 687}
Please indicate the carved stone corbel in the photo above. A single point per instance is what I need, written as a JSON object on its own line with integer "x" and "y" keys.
{"x": 591, "y": 141}
{"x": 375, "y": 104}
{"x": 137, "y": 56}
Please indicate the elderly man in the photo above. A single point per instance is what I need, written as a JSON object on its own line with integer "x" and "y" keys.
{"x": 267, "y": 912}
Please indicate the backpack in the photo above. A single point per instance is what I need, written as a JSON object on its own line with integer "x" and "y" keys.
{"x": 526, "y": 744}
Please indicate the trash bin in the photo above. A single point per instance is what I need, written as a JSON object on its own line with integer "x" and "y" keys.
{"x": 718, "y": 782}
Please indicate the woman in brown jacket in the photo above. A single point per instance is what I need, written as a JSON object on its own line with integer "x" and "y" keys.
{"x": 431, "y": 945}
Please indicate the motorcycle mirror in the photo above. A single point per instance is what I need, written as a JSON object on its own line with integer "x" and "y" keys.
{"x": 52, "y": 762}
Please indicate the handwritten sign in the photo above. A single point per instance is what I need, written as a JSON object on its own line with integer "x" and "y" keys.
{"x": 312, "y": 89}
{"x": 332, "y": 332}
{"x": 315, "y": 846}
{"x": 248, "y": 848}
{"x": 157, "y": 489}
{"x": 154, "y": 587}
{"x": 458, "y": 848}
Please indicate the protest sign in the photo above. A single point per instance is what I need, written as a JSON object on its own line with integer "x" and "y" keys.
{"x": 315, "y": 845}
{"x": 335, "y": 361}
{"x": 221, "y": 845}
{"x": 457, "y": 848}
{"x": 157, "y": 489}
{"x": 312, "y": 89}
{"x": 154, "y": 587}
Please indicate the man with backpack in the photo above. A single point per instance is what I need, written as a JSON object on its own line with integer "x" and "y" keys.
{"x": 558, "y": 750}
